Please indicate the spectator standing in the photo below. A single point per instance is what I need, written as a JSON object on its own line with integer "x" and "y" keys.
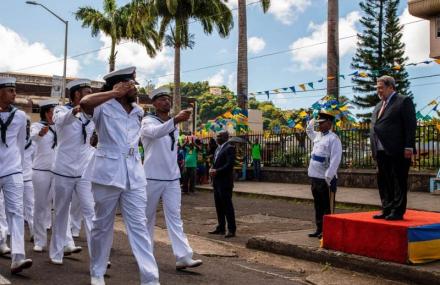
{"x": 256, "y": 159}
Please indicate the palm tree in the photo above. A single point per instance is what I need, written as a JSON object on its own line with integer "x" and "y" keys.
{"x": 116, "y": 22}
{"x": 242, "y": 63}
{"x": 333, "y": 48}
{"x": 176, "y": 15}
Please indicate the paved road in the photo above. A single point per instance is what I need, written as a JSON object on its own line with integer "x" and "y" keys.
{"x": 225, "y": 261}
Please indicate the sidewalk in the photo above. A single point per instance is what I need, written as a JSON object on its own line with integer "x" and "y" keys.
{"x": 298, "y": 245}
{"x": 345, "y": 195}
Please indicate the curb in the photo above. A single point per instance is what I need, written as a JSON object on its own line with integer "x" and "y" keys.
{"x": 340, "y": 204}
{"x": 357, "y": 263}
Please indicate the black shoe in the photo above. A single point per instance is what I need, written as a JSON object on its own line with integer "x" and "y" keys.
{"x": 230, "y": 235}
{"x": 317, "y": 234}
{"x": 380, "y": 216}
{"x": 394, "y": 217}
{"x": 217, "y": 232}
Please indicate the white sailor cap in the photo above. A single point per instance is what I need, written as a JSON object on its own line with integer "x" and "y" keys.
{"x": 125, "y": 74}
{"x": 48, "y": 103}
{"x": 7, "y": 82}
{"x": 159, "y": 92}
{"x": 77, "y": 84}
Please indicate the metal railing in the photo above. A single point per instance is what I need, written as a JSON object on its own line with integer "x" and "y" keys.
{"x": 292, "y": 149}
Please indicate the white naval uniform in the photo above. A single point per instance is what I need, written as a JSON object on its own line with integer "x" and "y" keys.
{"x": 28, "y": 196}
{"x": 75, "y": 215}
{"x": 163, "y": 176}
{"x": 42, "y": 179}
{"x": 327, "y": 146}
{"x": 71, "y": 159}
{"x": 117, "y": 176}
{"x": 4, "y": 230}
{"x": 11, "y": 180}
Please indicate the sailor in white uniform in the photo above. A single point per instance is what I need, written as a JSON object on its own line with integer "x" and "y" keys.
{"x": 72, "y": 156}
{"x": 28, "y": 196}
{"x": 12, "y": 143}
{"x": 4, "y": 230}
{"x": 323, "y": 167}
{"x": 117, "y": 176}
{"x": 159, "y": 134}
{"x": 44, "y": 136}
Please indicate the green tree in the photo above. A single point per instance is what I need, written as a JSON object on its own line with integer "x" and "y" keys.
{"x": 242, "y": 56}
{"x": 115, "y": 22}
{"x": 176, "y": 16}
{"x": 379, "y": 49}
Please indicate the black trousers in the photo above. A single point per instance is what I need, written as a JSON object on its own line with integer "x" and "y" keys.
{"x": 224, "y": 208}
{"x": 321, "y": 200}
{"x": 392, "y": 180}
{"x": 189, "y": 180}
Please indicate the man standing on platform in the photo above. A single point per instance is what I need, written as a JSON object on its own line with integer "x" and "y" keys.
{"x": 392, "y": 135}
{"x": 159, "y": 135}
{"x": 12, "y": 144}
{"x": 323, "y": 167}
{"x": 222, "y": 173}
{"x": 117, "y": 177}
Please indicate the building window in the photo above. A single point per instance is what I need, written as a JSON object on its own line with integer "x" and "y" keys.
{"x": 437, "y": 27}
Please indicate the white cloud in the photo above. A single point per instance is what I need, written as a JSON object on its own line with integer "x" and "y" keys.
{"x": 17, "y": 54}
{"x": 313, "y": 56}
{"x": 129, "y": 53}
{"x": 416, "y": 37}
{"x": 232, "y": 82}
{"x": 285, "y": 11}
{"x": 217, "y": 79}
{"x": 256, "y": 44}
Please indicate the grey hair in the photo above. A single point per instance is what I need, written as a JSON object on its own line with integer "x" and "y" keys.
{"x": 387, "y": 81}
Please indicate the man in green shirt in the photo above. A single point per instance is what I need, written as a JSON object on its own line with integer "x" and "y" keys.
{"x": 256, "y": 159}
{"x": 190, "y": 167}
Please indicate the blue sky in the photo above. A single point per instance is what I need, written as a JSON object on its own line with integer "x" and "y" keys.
{"x": 30, "y": 36}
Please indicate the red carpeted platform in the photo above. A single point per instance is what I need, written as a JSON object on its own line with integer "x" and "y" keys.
{"x": 359, "y": 233}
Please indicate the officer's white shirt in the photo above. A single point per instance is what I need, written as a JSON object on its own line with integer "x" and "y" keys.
{"x": 117, "y": 156}
{"x": 44, "y": 153}
{"x": 160, "y": 162}
{"x": 11, "y": 157}
{"x": 72, "y": 154}
{"x": 28, "y": 158}
{"x": 328, "y": 146}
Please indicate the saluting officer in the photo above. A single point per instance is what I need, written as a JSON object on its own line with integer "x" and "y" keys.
{"x": 72, "y": 156}
{"x": 323, "y": 167}
{"x": 159, "y": 134}
{"x": 117, "y": 176}
{"x": 12, "y": 143}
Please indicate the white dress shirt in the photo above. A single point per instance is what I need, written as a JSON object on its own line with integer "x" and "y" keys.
{"x": 327, "y": 147}
{"x": 44, "y": 153}
{"x": 160, "y": 150}
{"x": 117, "y": 157}
{"x": 11, "y": 157}
{"x": 73, "y": 151}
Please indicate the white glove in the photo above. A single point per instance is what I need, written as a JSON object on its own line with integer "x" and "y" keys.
{"x": 328, "y": 180}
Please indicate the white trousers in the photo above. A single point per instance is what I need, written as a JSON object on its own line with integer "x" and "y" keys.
{"x": 64, "y": 189}
{"x": 170, "y": 193}
{"x": 28, "y": 209}
{"x": 4, "y": 230}
{"x": 132, "y": 203}
{"x": 12, "y": 188}
{"x": 76, "y": 215}
{"x": 43, "y": 184}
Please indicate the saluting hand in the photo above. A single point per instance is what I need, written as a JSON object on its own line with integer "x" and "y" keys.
{"x": 182, "y": 116}
{"x": 76, "y": 110}
{"x": 43, "y": 131}
{"x": 123, "y": 88}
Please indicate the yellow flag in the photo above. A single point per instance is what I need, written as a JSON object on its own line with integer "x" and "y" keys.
{"x": 299, "y": 127}
{"x": 397, "y": 67}
{"x": 276, "y": 91}
{"x": 338, "y": 123}
{"x": 432, "y": 103}
{"x": 302, "y": 86}
{"x": 363, "y": 74}
{"x": 302, "y": 114}
{"x": 344, "y": 108}
{"x": 228, "y": 115}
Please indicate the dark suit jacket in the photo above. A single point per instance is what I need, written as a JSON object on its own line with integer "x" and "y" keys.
{"x": 396, "y": 128}
{"x": 224, "y": 165}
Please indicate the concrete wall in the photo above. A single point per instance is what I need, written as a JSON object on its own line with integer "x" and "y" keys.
{"x": 359, "y": 178}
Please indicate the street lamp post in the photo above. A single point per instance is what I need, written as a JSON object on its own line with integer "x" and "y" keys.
{"x": 63, "y": 91}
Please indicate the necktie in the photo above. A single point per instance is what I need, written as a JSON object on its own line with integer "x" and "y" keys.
{"x": 384, "y": 104}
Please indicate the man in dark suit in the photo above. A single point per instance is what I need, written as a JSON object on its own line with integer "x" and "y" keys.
{"x": 392, "y": 134}
{"x": 222, "y": 173}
